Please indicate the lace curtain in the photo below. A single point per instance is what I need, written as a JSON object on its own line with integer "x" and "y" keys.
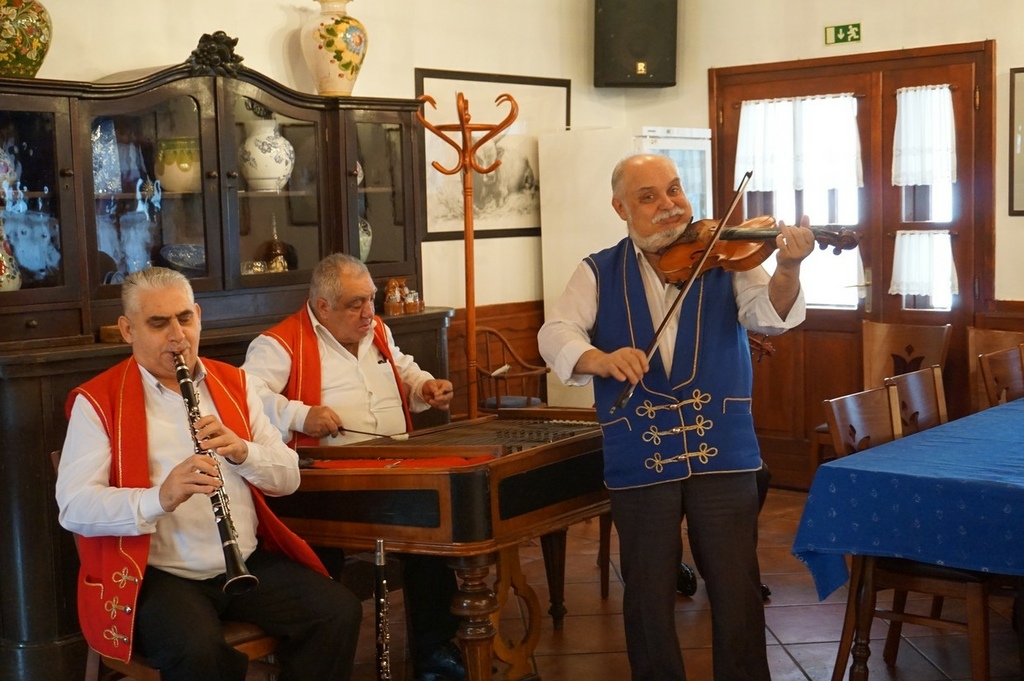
{"x": 799, "y": 143}
{"x": 923, "y": 264}
{"x": 924, "y": 145}
{"x": 924, "y": 153}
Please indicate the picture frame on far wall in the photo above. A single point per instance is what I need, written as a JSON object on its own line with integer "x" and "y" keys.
{"x": 506, "y": 202}
{"x": 1017, "y": 141}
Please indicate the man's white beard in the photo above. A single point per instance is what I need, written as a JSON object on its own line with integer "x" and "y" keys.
{"x": 655, "y": 242}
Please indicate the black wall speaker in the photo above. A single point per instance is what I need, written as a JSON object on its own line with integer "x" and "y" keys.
{"x": 635, "y": 43}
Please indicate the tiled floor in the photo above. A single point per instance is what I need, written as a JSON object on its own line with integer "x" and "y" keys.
{"x": 802, "y": 634}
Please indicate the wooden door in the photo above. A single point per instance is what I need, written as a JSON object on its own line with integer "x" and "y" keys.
{"x": 822, "y": 358}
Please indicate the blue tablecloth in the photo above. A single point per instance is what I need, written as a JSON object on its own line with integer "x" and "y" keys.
{"x": 951, "y": 495}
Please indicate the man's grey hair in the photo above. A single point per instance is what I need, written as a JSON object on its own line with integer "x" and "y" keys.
{"x": 151, "y": 279}
{"x": 326, "y": 280}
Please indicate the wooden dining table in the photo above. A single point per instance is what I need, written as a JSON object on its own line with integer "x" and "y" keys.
{"x": 951, "y": 495}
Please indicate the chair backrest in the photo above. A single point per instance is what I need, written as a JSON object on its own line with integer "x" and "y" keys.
{"x": 1003, "y": 374}
{"x": 922, "y": 399}
{"x": 980, "y": 341}
{"x": 862, "y": 420}
{"x": 517, "y": 386}
{"x": 894, "y": 349}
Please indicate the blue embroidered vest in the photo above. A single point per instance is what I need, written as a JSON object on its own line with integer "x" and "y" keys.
{"x": 697, "y": 420}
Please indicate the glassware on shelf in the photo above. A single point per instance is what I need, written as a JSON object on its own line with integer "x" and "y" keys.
{"x": 365, "y": 239}
{"x": 277, "y": 250}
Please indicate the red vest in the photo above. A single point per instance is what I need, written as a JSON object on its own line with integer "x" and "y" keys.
{"x": 298, "y": 338}
{"x": 113, "y": 567}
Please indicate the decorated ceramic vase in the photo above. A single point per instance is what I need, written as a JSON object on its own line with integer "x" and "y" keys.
{"x": 178, "y": 164}
{"x": 10, "y": 275}
{"x": 266, "y": 159}
{"x": 25, "y": 31}
{"x": 334, "y": 45}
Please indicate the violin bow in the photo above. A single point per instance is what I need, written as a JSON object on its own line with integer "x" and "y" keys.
{"x": 696, "y": 271}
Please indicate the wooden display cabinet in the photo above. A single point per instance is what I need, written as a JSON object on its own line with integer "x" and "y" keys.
{"x": 100, "y": 179}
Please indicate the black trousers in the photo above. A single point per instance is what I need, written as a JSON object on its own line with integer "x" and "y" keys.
{"x": 722, "y": 524}
{"x": 178, "y": 623}
{"x": 429, "y": 586}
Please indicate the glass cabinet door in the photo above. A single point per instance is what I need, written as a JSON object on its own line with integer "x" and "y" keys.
{"x": 381, "y": 229}
{"x": 38, "y": 251}
{"x": 145, "y": 199}
{"x": 273, "y": 201}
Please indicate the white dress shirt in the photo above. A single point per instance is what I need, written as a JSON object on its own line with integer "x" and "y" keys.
{"x": 566, "y": 335}
{"x": 184, "y": 542}
{"x": 360, "y": 389}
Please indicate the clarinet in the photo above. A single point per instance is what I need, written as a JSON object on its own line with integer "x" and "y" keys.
{"x": 380, "y": 597}
{"x": 238, "y": 580}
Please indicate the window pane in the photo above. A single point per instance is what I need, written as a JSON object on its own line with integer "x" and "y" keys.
{"x": 829, "y": 280}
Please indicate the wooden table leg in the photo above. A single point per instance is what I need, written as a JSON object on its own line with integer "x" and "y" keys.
{"x": 865, "y": 616}
{"x": 518, "y": 654}
{"x": 474, "y": 603}
{"x": 553, "y": 547}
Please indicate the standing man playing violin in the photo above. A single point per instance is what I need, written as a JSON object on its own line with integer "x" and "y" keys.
{"x": 684, "y": 442}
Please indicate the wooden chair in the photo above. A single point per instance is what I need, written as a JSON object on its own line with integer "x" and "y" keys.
{"x": 889, "y": 350}
{"x": 894, "y": 349}
{"x": 922, "y": 399}
{"x": 862, "y": 420}
{"x": 1002, "y": 372}
{"x": 515, "y": 387}
{"x": 980, "y": 341}
{"x": 858, "y": 422}
{"x": 243, "y": 636}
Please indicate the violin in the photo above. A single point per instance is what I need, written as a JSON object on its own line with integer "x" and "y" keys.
{"x": 738, "y": 248}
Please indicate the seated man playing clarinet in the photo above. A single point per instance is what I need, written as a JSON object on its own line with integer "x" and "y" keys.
{"x": 331, "y": 374}
{"x": 155, "y": 447}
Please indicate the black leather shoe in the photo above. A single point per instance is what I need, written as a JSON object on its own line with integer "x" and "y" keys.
{"x": 766, "y": 593}
{"x": 686, "y": 580}
{"x": 444, "y": 663}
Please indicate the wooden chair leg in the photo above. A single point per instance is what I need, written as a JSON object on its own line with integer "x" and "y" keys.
{"x": 892, "y": 638}
{"x": 977, "y": 630}
{"x": 92, "y": 665}
{"x": 604, "y": 551}
{"x": 849, "y": 621}
{"x": 1018, "y": 624}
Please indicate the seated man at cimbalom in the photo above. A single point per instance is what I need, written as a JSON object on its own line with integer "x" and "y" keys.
{"x": 334, "y": 366}
{"x": 142, "y": 462}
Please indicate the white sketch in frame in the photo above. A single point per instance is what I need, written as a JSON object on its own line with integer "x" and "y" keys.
{"x": 509, "y": 196}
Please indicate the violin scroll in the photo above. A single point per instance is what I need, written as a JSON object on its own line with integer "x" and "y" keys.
{"x": 841, "y": 240}
{"x": 760, "y": 346}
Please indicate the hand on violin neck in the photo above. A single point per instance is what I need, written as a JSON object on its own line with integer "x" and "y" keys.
{"x": 794, "y": 243}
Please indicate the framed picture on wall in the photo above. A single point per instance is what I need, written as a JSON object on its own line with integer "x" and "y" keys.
{"x": 1017, "y": 141}
{"x": 506, "y": 201}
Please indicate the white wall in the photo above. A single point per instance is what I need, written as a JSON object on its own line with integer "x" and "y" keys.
{"x": 543, "y": 38}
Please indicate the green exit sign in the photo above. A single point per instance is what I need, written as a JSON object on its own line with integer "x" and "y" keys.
{"x": 844, "y": 33}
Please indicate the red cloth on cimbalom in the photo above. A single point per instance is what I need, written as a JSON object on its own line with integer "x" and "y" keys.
{"x": 112, "y": 567}
{"x": 433, "y": 462}
{"x": 296, "y": 335}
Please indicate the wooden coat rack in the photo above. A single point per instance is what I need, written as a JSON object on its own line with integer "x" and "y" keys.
{"x": 467, "y": 163}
